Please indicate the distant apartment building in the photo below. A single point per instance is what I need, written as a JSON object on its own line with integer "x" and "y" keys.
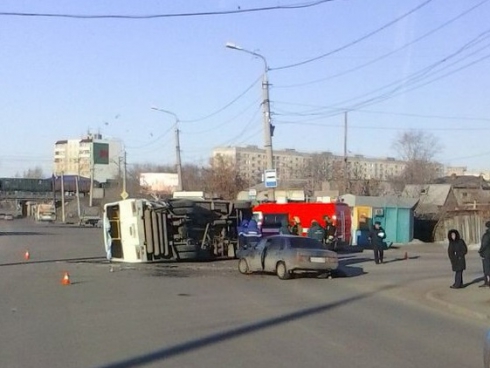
{"x": 463, "y": 170}
{"x": 92, "y": 152}
{"x": 251, "y": 162}
{"x": 290, "y": 164}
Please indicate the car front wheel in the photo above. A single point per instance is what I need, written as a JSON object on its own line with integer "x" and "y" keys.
{"x": 282, "y": 271}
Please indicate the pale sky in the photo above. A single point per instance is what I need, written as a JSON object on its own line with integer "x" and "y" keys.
{"x": 427, "y": 70}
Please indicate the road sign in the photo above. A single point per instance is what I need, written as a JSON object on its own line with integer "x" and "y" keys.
{"x": 252, "y": 194}
{"x": 124, "y": 195}
{"x": 270, "y": 178}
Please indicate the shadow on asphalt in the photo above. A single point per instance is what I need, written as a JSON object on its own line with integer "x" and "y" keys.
{"x": 474, "y": 281}
{"x": 233, "y": 333}
{"x": 23, "y": 233}
{"x": 69, "y": 260}
{"x": 401, "y": 259}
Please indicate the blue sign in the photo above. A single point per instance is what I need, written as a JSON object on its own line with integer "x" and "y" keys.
{"x": 270, "y": 178}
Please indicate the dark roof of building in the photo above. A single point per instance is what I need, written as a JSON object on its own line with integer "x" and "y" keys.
{"x": 464, "y": 182}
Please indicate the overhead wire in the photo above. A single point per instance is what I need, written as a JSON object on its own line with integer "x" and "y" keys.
{"x": 378, "y": 127}
{"x": 384, "y": 56}
{"x": 355, "y": 42}
{"x": 281, "y": 112}
{"x": 239, "y": 10}
{"x": 225, "y": 122}
{"x": 418, "y": 76}
{"x": 396, "y": 92}
{"x": 152, "y": 142}
{"x": 225, "y": 106}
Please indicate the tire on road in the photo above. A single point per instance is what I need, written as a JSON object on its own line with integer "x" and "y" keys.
{"x": 282, "y": 271}
{"x": 243, "y": 266}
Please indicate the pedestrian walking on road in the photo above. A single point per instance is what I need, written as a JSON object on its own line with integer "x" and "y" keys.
{"x": 456, "y": 251}
{"x": 484, "y": 252}
{"x": 376, "y": 237}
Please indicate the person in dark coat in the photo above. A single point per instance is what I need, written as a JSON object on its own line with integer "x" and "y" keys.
{"x": 316, "y": 231}
{"x": 456, "y": 251}
{"x": 330, "y": 233}
{"x": 284, "y": 229}
{"x": 484, "y": 252}
{"x": 376, "y": 237}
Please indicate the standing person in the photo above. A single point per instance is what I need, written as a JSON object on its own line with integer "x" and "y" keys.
{"x": 284, "y": 229}
{"x": 252, "y": 234}
{"x": 456, "y": 251}
{"x": 330, "y": 232}
{"x": 316, "y": 231}
{"x": 484, "y": 252}
{"x": 297, "y": 229}
{"x": 376, "y": 237}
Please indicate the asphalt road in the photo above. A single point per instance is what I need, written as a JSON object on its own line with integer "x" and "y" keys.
{"x": 208, "y": 315}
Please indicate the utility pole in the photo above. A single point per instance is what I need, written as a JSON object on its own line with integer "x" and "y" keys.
{"x": 180, "y": 187}
{"x": 77, "y": 183}
{"x": 91, "y": 197}
{"x": 269, "y": 156}
{"x": 124, "y": 171}
{"x": 267, "y": 127}
{"x": 63, "y": 217}
{"x": 346, "y": 169}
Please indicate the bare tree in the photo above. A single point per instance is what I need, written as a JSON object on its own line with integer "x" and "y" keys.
{"x": 417, "y": 145}
{"x": 222, "y": 178}
{"x": 318, "y": 169}
{"x": 193, "y": 177}
{"x": 34, "y": 173}
{"x": 419, "y": 149}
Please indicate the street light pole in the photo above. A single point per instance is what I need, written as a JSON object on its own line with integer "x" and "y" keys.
{"x": 180, "y": 186}
{"x": 269, "y": 155}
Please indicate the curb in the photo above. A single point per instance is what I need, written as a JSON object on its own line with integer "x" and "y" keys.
{"x": 430, "y": 295}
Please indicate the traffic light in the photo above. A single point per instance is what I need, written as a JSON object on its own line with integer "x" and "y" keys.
{"x": 272, "y": 127}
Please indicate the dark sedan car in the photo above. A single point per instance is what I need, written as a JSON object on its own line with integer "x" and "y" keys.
{"x": 286, "y": 255}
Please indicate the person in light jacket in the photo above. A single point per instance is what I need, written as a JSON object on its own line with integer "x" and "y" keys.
{"x": 456, "y": 251}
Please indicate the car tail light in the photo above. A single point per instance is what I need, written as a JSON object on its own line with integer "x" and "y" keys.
{"x": 302, "y": 257}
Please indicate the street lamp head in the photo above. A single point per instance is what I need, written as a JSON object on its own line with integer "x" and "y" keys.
{"x": 231, "y": 45}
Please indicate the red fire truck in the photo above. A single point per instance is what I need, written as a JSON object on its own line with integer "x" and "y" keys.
{"x": 270, "y": 216}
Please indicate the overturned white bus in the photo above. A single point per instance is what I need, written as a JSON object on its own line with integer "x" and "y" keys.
{"x": 140, "y": 230}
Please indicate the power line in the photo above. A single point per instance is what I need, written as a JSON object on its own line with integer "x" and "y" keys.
{"x": 377, "y": 127}
{"x": 370, "y": 34}
{"x": 418, "y": 76}
{"x": 225, "y": 122}
{"x": 384, "y": 56}
{"x": 392, "y": 94}
{"x": 375, "y": 112}
{"x": 168, "y": 15}
{"x": 467, "y": 157}
{"x": 152, "y": 141}
{"x": 226, "y": 106}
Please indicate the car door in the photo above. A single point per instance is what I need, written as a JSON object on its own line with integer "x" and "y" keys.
{"x": 273, "y": 253}
{"x": 254, "y": 256}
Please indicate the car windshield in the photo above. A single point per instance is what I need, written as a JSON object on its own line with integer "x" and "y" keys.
{"x": 305, "y": 243}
